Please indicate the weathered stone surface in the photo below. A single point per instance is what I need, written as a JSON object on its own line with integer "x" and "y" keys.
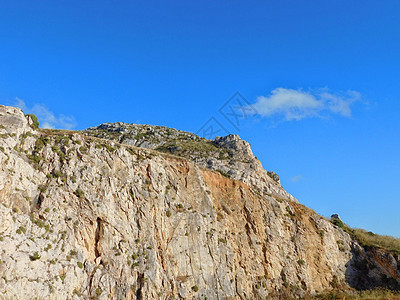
{"x": 229, "y": 155}
{"x": 83, "y": 217}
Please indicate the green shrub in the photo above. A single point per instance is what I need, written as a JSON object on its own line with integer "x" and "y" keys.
{"x": 80, "y": 265}
{"x": 195, "y": 288}
{"x": 34, "y": 158}
{"x": 42, "y": 188}
{"x": 34, "y": 257}
{"x": 41, "y": 143}
{"x": 109, "y": 148}
{"x": 79, "y": 193}
{"x": 58, "y": 173}
{"x": 338, "y": 223}
{"x": 83, "y": 149}
{"x": 301, "y": 262}
{"x": 168, "y": 213}
{"x": 35, "y": 121}
{"x": 38, "y": 222}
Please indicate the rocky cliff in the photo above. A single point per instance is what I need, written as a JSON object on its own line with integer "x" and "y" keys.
{"x": 116, "y": 212}
{"x": 230, "y": 155}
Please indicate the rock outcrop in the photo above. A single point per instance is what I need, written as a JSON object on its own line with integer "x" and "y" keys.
{"x": 86, "y": 217}
{"x": 229, "y": 155}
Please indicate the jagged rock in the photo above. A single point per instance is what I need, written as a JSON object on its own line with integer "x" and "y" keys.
{"x": 274, "y": 176}
{"x": 241, "y": 149}
{"x": 83, "y": 217}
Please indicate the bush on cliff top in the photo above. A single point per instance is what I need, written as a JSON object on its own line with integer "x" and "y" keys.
{"x": 35, "y": 121}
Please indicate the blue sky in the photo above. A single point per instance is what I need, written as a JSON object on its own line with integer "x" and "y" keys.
{"x": 321, "y": 76}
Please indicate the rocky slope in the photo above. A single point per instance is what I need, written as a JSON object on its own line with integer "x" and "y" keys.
{"x": 87, "y": 217}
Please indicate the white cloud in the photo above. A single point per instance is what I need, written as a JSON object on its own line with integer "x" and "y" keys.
{"x": 46, "y": 117}
{"x": 296, "y": 178}
{"x": 21, "y": 104}
{"x": 298, "y": 104}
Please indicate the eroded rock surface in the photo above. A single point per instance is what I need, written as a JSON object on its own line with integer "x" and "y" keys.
{"x": 83, "y": 217}
{"x": 229, "y": 155}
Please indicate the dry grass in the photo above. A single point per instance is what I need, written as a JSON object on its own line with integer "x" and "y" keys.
{"x": 375, "y": 240}
{"x": 358, "y": 295}
{"x": 370, "y": 239}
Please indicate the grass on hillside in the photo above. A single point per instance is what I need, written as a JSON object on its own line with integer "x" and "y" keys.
{"x": 185, "y": 148}
{"x": 370, "y": 239}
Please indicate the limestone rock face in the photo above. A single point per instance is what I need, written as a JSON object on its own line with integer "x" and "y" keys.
{"x": 241, "y": 149}
{"x": 83, "y": 217}
{"x": 229, "y": 155}
{"x": 274, "y": 176}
